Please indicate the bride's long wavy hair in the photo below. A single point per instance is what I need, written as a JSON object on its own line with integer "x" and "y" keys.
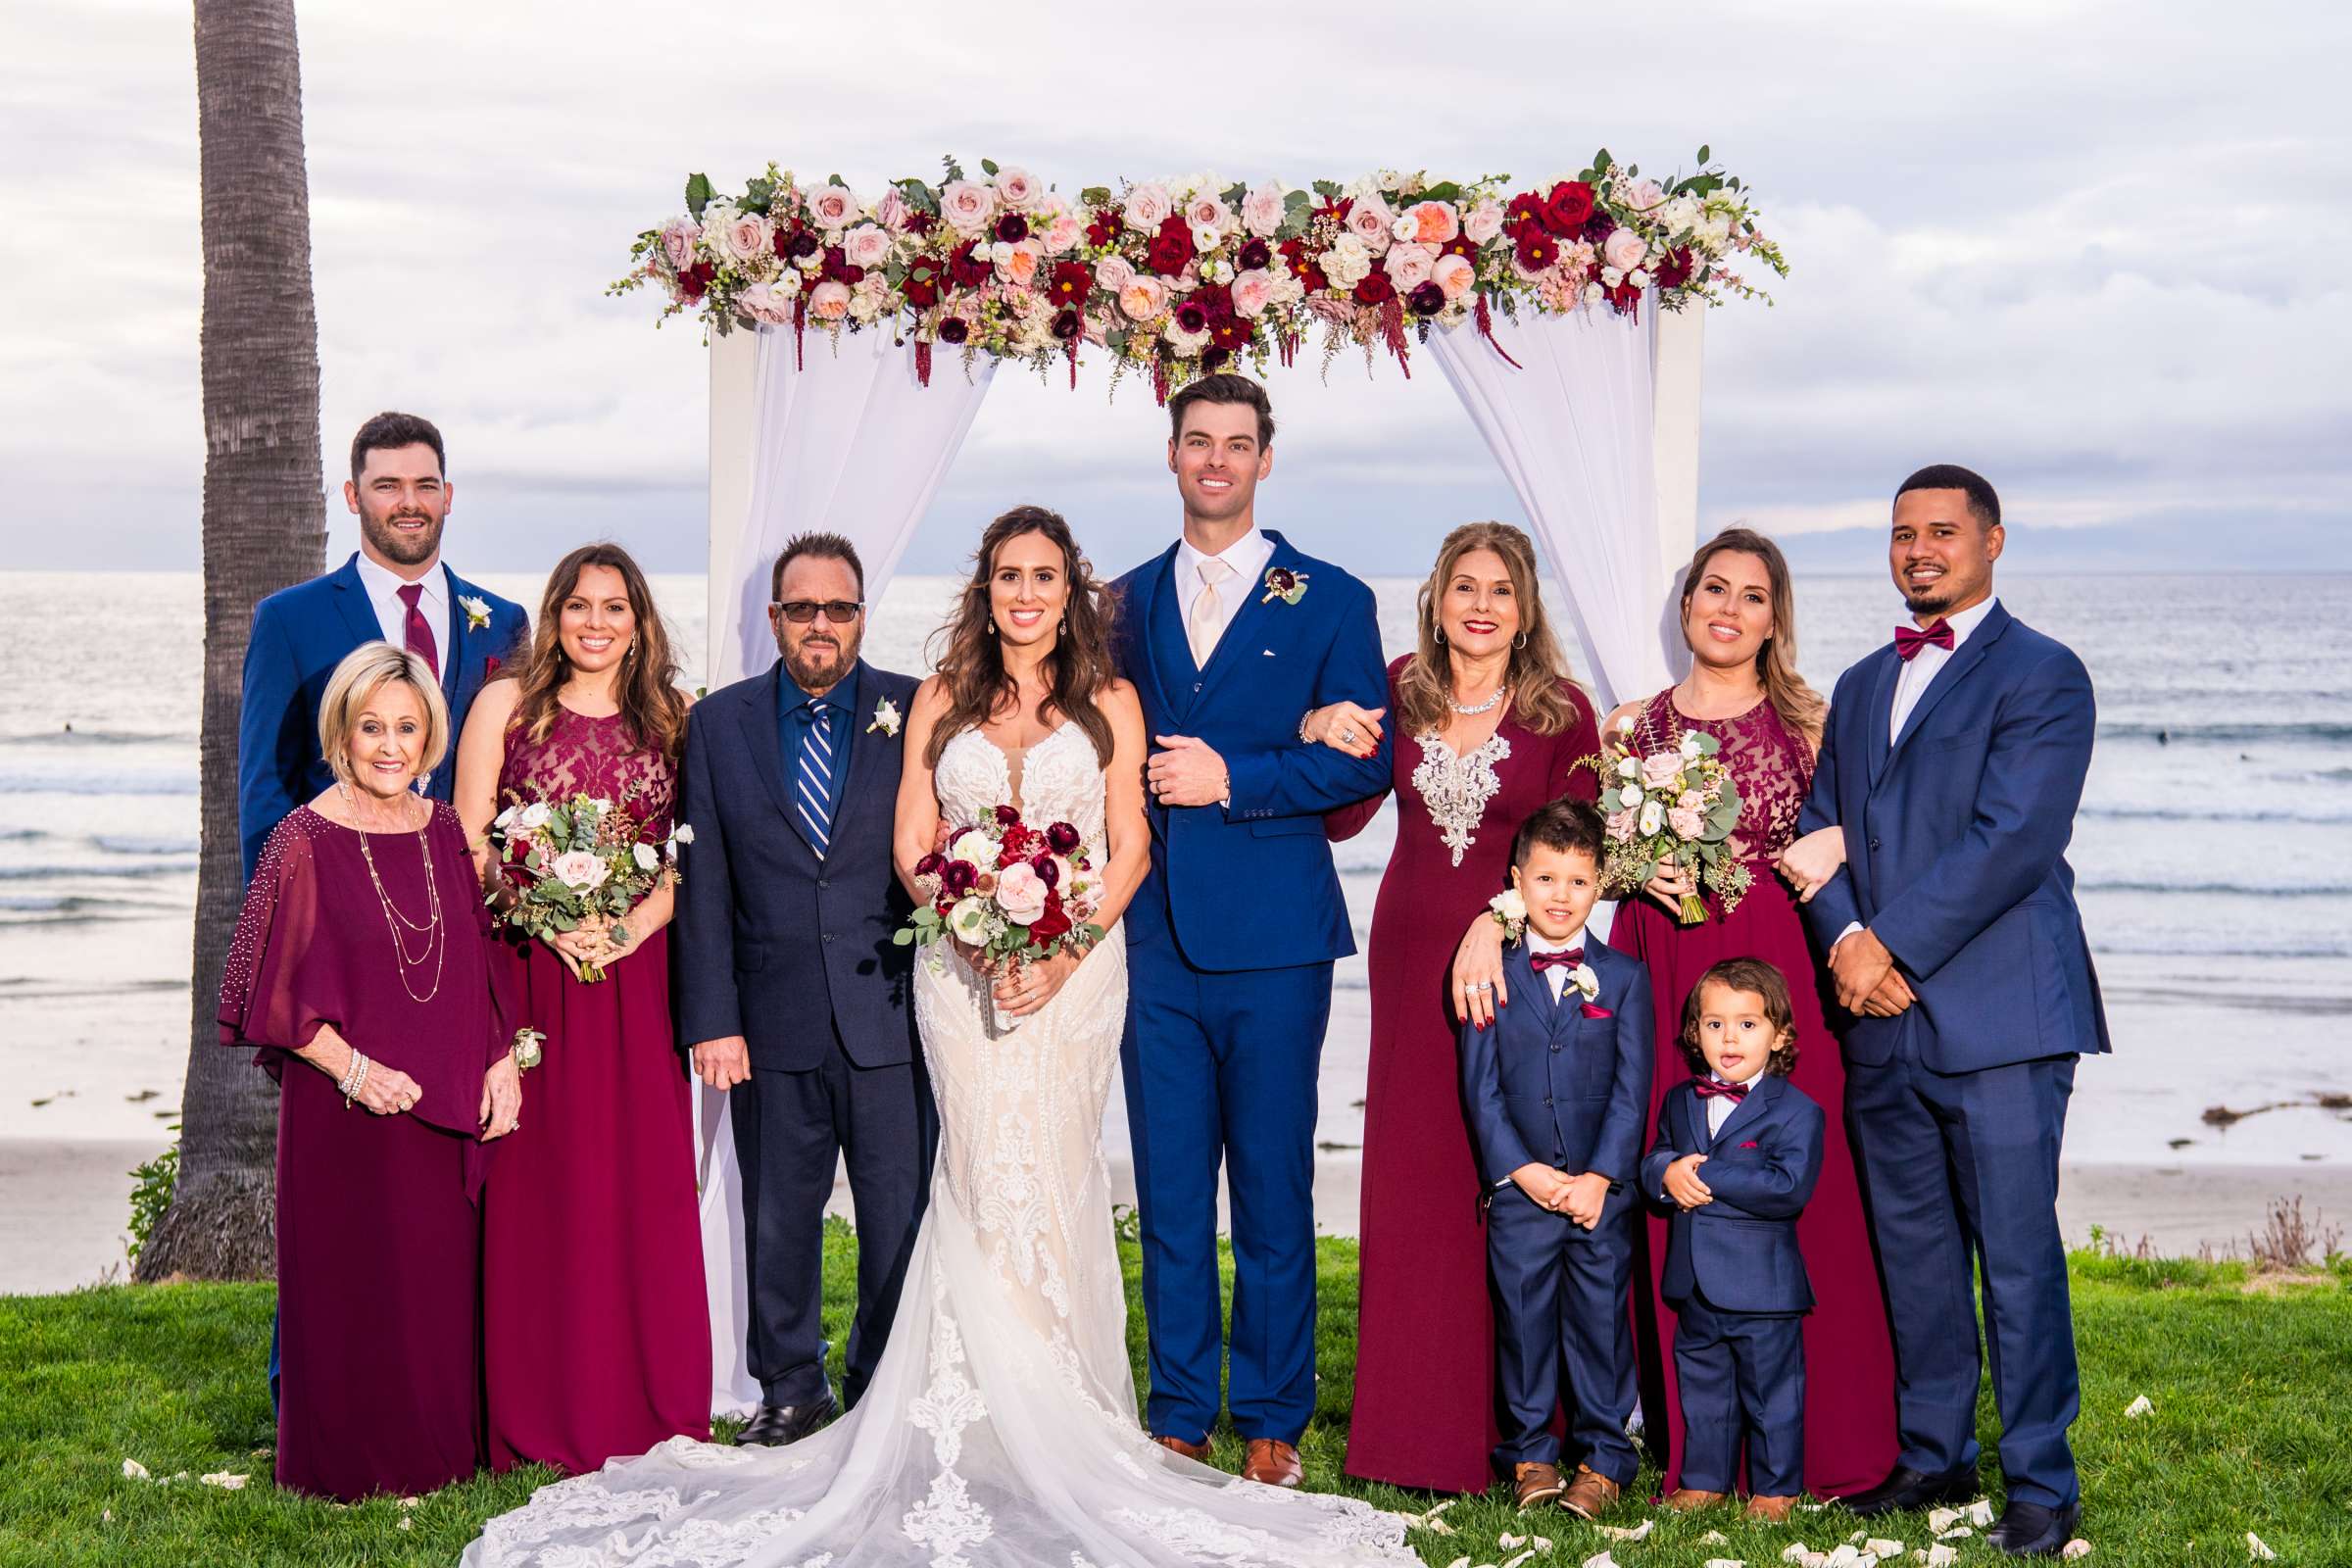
{"x": 971, "y": 667}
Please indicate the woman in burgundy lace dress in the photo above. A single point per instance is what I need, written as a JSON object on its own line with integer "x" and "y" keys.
{"x": 598, "y": 1330}
{"x": 1740, "y": 619}
{"x": 1489, "y": 729}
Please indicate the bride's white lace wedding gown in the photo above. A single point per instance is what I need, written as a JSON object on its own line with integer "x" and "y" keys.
{"x": 999, "y": 1430}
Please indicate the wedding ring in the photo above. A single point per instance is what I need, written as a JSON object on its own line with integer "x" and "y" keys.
{"x": 1483, "y": 985}
{"x": 1347, "y": 734}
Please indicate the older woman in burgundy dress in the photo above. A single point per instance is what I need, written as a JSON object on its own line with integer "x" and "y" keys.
{"x": 361, "y": 968}
{"x": 1489, "y": 728}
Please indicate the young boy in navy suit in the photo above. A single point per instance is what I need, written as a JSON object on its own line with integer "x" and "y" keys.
{"x": 1557, "y": 1091}
{"x": 1738, "y": 1153}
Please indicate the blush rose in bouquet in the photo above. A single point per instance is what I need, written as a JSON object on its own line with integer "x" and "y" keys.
{"x": 1017, "y": 894}
{"x": 1677, "y": 804}
{"x": 580, "y": 858}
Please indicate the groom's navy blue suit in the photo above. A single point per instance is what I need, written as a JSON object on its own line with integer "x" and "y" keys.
{"x": 1955, "y": 838}
{"x": 1230, "y": 943}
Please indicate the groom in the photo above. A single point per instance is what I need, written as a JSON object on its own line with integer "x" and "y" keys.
{"x": 1954, "y": 761}
{"x": 1230, "y": 636}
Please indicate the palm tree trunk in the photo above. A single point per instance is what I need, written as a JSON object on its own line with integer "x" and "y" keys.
{"x": 264, "y": 526}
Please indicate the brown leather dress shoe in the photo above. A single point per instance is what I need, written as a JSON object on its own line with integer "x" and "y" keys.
{"x": 1771, "y": 1510}
{"x": 1683, "y": 1500}
{"x": 1534, "y": 1482}
{"x": 1197, "y": 1452}
{"x": 1591, "y": 1495}
{"x": 1271, "y": 1461}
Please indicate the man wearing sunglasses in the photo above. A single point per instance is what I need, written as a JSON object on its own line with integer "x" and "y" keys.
{"x": 791, "y": 989}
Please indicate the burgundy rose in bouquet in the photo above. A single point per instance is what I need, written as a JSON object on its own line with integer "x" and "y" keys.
{"x": 1019, "y": 894}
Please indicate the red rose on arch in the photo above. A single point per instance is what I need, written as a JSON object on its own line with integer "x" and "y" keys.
{"x": 1376, "y": 288}
{"x": 1172, "y": 247}
{"x": 968, "y": 267}
{"x": 1568, "y": 206}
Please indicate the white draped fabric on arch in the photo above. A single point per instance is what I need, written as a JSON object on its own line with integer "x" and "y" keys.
{"x": 1592, "y": 415}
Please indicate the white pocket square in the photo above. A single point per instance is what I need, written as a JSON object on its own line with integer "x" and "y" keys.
{"x": 1269, "y": 653}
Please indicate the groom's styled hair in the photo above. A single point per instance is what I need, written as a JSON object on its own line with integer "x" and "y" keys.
{"x": 1983, "y": 503}
{"x": 388, "y": 432}
{"x": 1224, "y": 387}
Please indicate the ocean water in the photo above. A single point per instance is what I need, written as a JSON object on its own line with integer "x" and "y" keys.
{"x": 2213, "y": 850}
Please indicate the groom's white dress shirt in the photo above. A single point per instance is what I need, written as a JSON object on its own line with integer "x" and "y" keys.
{"x": 1247, "y": 557}
{"x": 384, "y": 586}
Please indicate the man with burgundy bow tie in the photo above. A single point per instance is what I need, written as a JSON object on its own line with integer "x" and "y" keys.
{"x": 1953, "y": 760}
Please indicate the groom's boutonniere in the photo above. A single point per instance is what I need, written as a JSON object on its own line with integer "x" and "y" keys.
{"x": 478, "y": 613}
{"x": 886, "y": 718}
{"x": 1283, "y": 584}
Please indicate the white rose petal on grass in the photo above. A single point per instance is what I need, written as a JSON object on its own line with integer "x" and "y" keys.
{"x": 1508, "y": 1542}
{"x": 132, "y": 1470}
{"x": 1518, "y": 1561}
{"x": 2077, "y": 1548}
{"x": 1795, "y": 1551}
{"x": 1940, "y": 1556}
{"x": 1459, "y": 1562}
{"x": 1942, "y": 1519}
{"x": 1714, "y": 1537}
{"x": 2256, "y": 1550}
{"x": 1881, "y": 1546}
{"x": 225, "y": 1480}
{"x": 406, "y": 1523}
{"x": 1726, "y": 1562}
{"x": 1601, "y": 1559}
{"x": 1626, "y": 1533}
{"x": 2143, "y": 1406}
{"x": 1956, "y": 1533}
{"x": 1980, "y": 1512}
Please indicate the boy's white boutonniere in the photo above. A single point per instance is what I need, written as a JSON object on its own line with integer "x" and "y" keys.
{"x": 1585, "y": 982}
{"x": 478, "y": 613}
{"x": 1283, "y": 584}
{"x": 1509, "y": 910}
{"x": 886, "y": 717}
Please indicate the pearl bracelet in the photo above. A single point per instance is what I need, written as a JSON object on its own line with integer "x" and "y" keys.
{"x": 355, "y": 1078}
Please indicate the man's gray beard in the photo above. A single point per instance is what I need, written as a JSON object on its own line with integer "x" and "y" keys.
{"x": 392, "y": 547}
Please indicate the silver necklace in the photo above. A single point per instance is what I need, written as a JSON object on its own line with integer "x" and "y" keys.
{"x": 1474, "y": 710}
{"x": 436, "y": 944}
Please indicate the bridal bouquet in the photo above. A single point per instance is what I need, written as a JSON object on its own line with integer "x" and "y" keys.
{"x": 1678, "y": 804}
{"x": 580, "y": 857}
{"x": 1017, "y": 892}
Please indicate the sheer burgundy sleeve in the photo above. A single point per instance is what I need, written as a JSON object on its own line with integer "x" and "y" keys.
{"x": 281, "y": 984}
{"x": 1579, "y": 740}
{"x": 1349, "y": 821}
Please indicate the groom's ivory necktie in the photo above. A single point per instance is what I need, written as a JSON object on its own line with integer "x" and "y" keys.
{"x": 1206, "y": 622}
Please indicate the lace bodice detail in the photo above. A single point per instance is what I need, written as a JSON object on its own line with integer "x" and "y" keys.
{"x": 1059, "y": 780}
{"x": 583, "y": 756}
{"x": 1456, "y": 789}
{"x": 1769, "y": 763}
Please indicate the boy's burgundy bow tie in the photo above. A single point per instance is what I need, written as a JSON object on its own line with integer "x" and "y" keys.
{"x": 1709, "y": 1087}
{"x": 1544, "y": 960}
{"x": 1908, "y": 642}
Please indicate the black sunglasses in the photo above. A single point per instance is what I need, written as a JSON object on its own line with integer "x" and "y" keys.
{"x": 801, "y": 612}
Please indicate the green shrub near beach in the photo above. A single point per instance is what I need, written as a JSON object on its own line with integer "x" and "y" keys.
{"x": 2250, "y": 1378}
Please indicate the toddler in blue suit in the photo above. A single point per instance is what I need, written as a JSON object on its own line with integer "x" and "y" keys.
{"x": 1557, "y": 1091}
{"x": 1733, "y": 1269}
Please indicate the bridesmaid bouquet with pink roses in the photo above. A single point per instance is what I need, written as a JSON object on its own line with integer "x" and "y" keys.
{"x": 582, "y": 859}
{"x": 1019, "y": 894}
{"x": 1678, "y": 805}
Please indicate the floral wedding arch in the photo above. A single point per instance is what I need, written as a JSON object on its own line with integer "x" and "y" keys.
{"x": 1565, "y": 313}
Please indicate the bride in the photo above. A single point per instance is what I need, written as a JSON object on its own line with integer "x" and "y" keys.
{"x": 999, "y": 1430}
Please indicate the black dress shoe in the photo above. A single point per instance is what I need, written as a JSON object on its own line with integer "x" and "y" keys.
{"x": 2030, "y": 1530}
{"x": 779, "y": 1424}
{"x": 1906, "y": 1488}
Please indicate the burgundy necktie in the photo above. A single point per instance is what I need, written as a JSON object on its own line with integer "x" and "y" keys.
{"x": 1544, "y": 960}
{"x": 1709, "y": 1087}
{"x": 1908, "y": 642}
{"x": 419, "y": 631}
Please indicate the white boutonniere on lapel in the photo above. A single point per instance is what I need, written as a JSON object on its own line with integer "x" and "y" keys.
{"x": 1583, "y": 982}
{"x": 1283, "y": 584}
{"x": 478, "y": 613}
{"x": 886, "y": 717}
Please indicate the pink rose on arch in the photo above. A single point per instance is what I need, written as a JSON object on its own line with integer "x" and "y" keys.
{"x": 747, "y": 236}
{"x": 1455, "y": 275}
{"x": 1434, "y": 222}
{"x": 1057, "y": 226}
{"x": 1207, "y": 211}
{"x": 678, "y": 241}
{"x": 1484, "y": 221}
{"x": 865, "y": 245}
{"x": 1410, "y": 266}
{"x": 829, "y": 301}
{"x": 1624, "y": 250}
{"x": 1144, "y": 299}
{"x": 1017, "y": 264}
{"x": 1263, "y": 210}
{"x": 1620, "y": 825}
{"x": 762, "y": 303}
{"x": 835, "y": 206}
{"x": 966, "y": 206}
{"x": 1643, "y": 194}
{"x": 1017, "y": 189}
{"x": 1020, "y": 893}
{"x": 1252, "y": 292}
{"x": 1685, "y": 822}
{"x": 1113, "y": 273}
{"x": 1659, "y": 769}
{"x": 1371, "y": 222}
{"x": 1148, "y": 205}
{"x": 892, "y": 210}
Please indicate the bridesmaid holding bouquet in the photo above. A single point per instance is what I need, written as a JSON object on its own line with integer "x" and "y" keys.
{"x": 597, "y": 1336}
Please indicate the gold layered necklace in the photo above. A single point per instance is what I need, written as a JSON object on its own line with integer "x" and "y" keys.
{"x": 435, "y": 946}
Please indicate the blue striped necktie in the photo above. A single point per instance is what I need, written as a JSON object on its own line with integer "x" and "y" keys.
{"x": 812, "y": 791}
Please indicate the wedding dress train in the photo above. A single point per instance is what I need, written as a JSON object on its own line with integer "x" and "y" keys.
{"x": 999, "y": 1430}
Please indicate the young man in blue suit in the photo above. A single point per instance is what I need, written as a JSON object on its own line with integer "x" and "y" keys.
{"x": 1733, "y": 1269}
{"x": 394, "y": 590}
{"x": 1953, "y": 760}
{"x": 1231, "y": 637}
{"x": 1557, "y": 1090}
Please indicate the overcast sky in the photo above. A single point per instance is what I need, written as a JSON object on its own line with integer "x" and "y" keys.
{"x": 2094, "y": 250}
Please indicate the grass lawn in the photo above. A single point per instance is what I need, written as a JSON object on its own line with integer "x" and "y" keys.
{"x": 2251, "y": 1431}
